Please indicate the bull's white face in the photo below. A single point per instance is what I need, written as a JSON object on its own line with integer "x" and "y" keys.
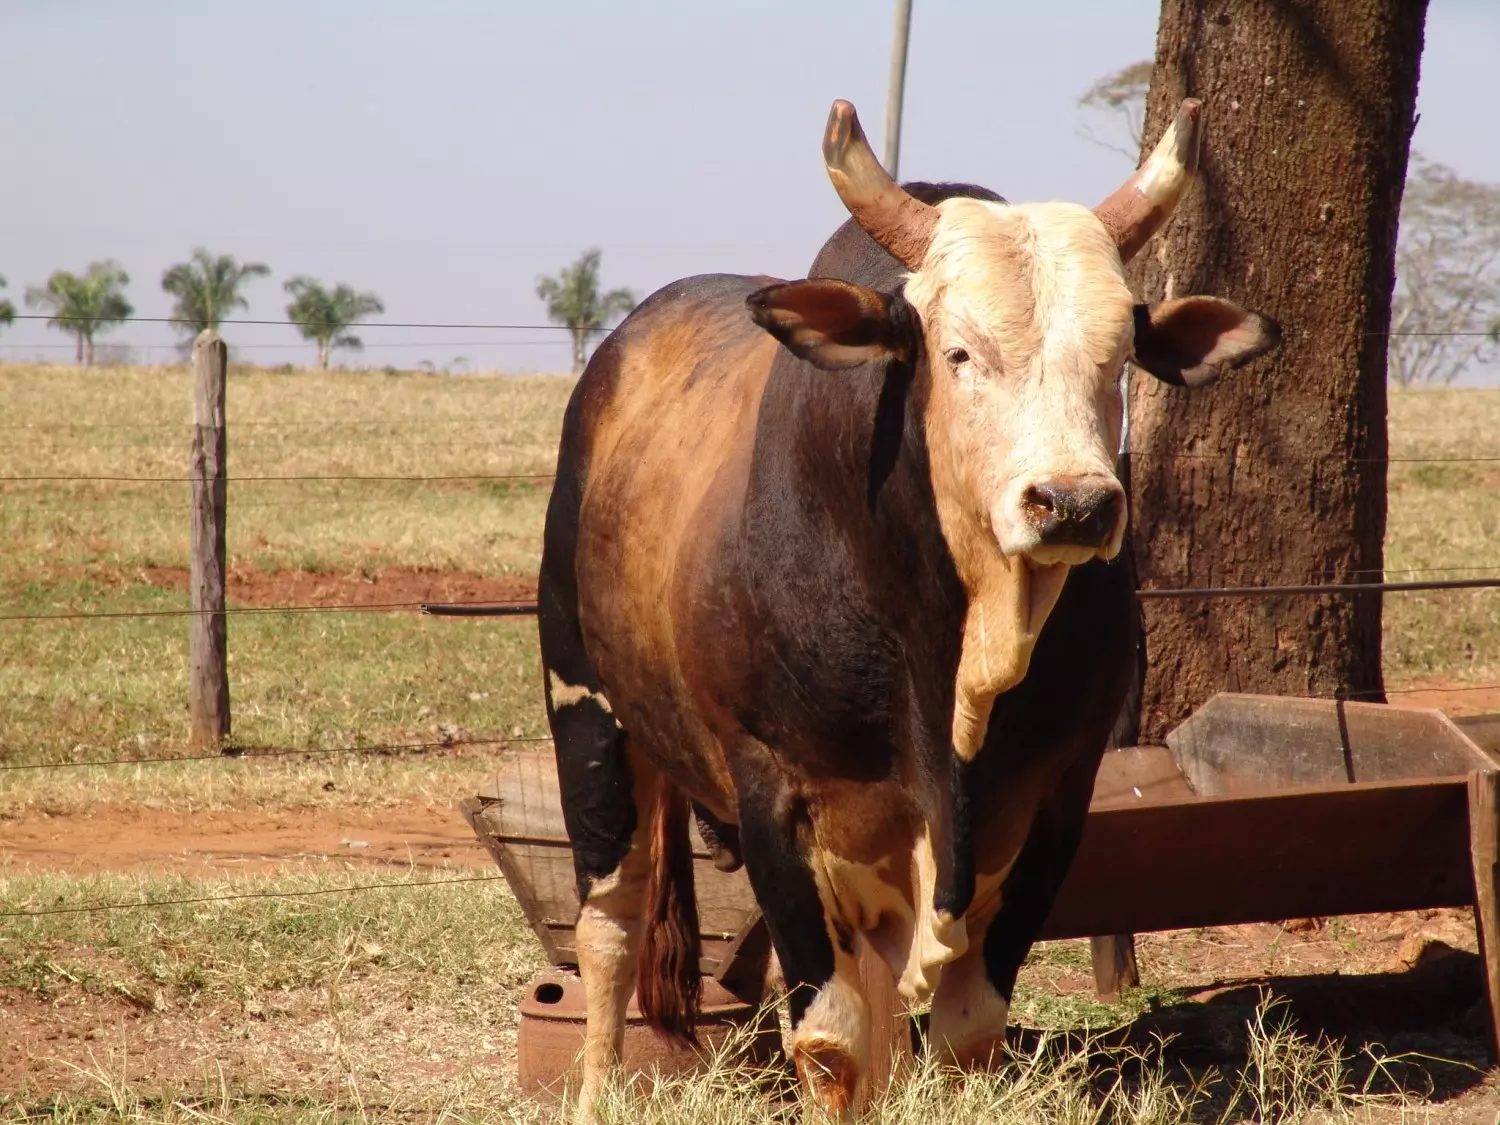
{"x": 1027, "y": 321}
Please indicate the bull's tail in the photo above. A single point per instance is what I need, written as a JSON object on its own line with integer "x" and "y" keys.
{"x": 669, "y": 987}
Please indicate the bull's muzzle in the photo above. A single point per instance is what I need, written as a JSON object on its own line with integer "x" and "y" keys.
{"x": 1085, "y": 511}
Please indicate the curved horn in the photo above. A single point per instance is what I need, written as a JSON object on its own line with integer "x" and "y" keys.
{"x": 1140, "y": 205}
{"x": 901, "y": 224}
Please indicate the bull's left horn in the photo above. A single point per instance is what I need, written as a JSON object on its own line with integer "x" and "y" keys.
{"x": 1140, "y": 205}
{"x": 900, "y": 223}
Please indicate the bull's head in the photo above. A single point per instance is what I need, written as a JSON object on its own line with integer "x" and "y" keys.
{"x": 1022, "y": 324}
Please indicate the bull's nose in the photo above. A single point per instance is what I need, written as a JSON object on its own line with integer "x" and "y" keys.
{"x": 1074, "y": 511}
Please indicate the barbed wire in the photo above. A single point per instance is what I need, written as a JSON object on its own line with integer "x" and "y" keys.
{"x": 252, "y": 753}
{"x": 65, "y": 320}
{"x": 305, "y": 345}
{"x": 1333, "y": 458}
{"x": 1316, "y": 589}
{"x": 108, "y": 478}
{"x": 353, "y": 440}
{"x": 26, "y": 506}
{"x": 278, "y": 477}
{"x": 140, "y": 904}
{"x": 526, "y": 608}
{"x": 516, "y": 609}
{"x": 283, "y": 423}
{"x": 467, "y": 421}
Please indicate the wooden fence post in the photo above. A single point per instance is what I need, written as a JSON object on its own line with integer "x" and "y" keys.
{"x": 208, "y": 640}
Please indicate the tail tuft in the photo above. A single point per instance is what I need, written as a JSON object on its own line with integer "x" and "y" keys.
{"x": 670, "y": 987}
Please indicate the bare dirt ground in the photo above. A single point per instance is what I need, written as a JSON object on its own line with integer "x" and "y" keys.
{"x": 125, "y": 838}
{"x": 1452, "y": 696}
{"x": 1409, "y": 983}
{"x": 251, "y": 586}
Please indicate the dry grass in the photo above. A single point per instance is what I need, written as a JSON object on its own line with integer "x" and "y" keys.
{"x": 136, "y": 422}
{"x": 263, "y": 1008}
{"x": 400, "y": 1004}
{"x": 117, "y": 688}
{"x": 1444, "y": 515}
{"x": 365, "y": 781}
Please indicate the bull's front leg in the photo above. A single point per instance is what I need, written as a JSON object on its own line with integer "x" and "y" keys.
{"x": 972, "y": 1003}
{"x": 830, "y": 1017}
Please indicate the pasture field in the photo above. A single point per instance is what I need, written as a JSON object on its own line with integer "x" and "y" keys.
{"x": 397, "y": 1003}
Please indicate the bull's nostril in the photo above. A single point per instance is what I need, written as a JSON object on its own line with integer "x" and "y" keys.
{"x": 1040, "y": 503}
{"x": 1082, "y": 512}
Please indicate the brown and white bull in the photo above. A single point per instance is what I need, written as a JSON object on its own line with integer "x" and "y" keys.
{"x": 828, "y": 563}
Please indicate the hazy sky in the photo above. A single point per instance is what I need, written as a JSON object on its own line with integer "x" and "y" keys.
{"x": 445, "y": 153}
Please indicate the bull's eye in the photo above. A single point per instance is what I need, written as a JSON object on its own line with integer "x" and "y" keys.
{"x": 956, "y": 357}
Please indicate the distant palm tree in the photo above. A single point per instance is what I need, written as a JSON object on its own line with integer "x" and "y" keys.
{"x": 573, "y": 300}
{"x": 325, "y": 315}
{"x": 84, "y": 306}
{"x": 7, "y": 310}
{"x": 208, "y": 289}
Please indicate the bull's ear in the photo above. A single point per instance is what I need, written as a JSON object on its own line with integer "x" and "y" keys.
{"x": 832, "y": 324}
{"x": 1191, "y": 341}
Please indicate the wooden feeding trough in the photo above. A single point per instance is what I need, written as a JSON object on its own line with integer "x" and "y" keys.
{"x": 518, "y": 818}
{"x": 1259, "y": 808}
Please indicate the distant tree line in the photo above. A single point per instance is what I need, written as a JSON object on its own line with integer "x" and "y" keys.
{"x": 208, "y": 288}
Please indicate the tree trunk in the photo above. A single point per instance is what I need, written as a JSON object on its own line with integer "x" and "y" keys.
{"x": 78, "y": 349}
{"x": 1277, "y": 474}
{"x": 88, "y": 349}
{"x": 580, "y": 349}
{"x": 322, "y": 355}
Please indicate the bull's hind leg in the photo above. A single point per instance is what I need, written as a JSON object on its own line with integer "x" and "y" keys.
{"x": 607, "y": 798}
{"x": 606, "y": 801}
{"x": 830, "y": 1016}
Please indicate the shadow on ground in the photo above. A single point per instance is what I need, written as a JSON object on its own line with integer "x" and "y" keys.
{"x": 1423, "y": 1031}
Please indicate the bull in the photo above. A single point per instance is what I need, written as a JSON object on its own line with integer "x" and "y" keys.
{"x": 828, "y": 565}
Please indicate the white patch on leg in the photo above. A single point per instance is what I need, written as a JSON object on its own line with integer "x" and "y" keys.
{"x": 839, "y": 1015}
{"x": 938, "y": 938}
{"x": 607, "y": 937}
{"x": 896, "y": 914}
{"x": 831, "y": 1043}
{"x": 565, "y": 694}
{"x": 968, "y": 1015}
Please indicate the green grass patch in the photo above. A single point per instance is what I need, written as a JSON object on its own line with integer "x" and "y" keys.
{"x": 432, "y": 941}
{"x": 118, "y": 688}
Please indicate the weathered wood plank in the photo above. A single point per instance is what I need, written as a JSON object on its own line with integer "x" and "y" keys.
{"x": 1350, "y": 849}
{"x": 1484, "y": 844}
{"x": 1259, "y": 743}
{"x": 1115, "y": 966}
{"x": 526, "y": 801}
{"x": 518, "y": 816}
{"x": 208, "y": 634}
{"x": 1138, "y": 774}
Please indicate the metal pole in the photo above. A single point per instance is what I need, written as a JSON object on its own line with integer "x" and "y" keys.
{"x": 897, "y": 90}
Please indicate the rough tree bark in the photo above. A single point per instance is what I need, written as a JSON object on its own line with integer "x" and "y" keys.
{"x": 1276, "y": 474}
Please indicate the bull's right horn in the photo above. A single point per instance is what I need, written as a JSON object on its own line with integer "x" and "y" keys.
{"x": 1140, "y": 205}
{"x": 900, "y": 223}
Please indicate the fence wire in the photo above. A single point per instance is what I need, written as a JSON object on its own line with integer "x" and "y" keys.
{"x": 254, "y": 753}
{"x": 143, "y": 904}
